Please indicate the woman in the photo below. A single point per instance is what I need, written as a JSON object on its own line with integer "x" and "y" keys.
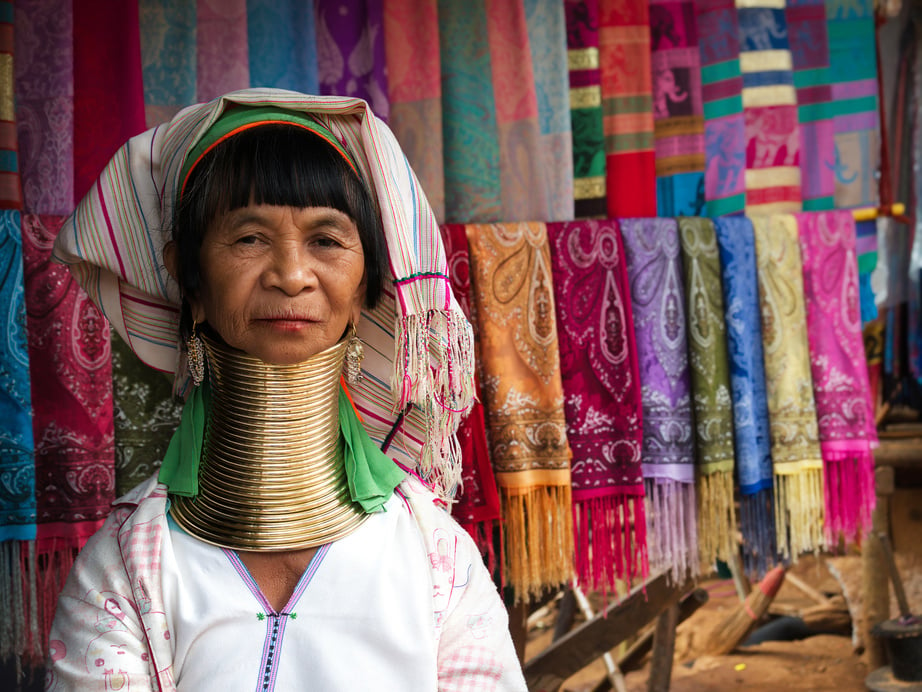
{"x": 278, "y": 547}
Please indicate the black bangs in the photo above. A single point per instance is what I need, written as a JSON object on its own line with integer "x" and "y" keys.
{"x": 281, "y": 165}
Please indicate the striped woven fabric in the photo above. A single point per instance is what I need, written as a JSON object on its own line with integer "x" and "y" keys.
{"x": 547, "y": 41}
{"x": 769, "y": 109}
{"x": 722, "y": 104}
{"x": 414, "y": 82}
{"x": 678, "y": 118}
{"x": 10, "y": 185}
{"x": 582, "y": 18}
{"x": 853, "y": 75}
{"x": 116, "y": 257}
{"x": 627, "y": 106}
{"x": 806, "y": 20}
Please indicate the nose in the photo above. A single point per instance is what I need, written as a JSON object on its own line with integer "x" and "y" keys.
{"x": 291, "y": 269}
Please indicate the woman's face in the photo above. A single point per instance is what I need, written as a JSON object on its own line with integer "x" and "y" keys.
{"x": 281, "y": 283}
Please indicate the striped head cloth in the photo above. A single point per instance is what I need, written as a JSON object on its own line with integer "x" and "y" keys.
{"x": 419, "y": 346}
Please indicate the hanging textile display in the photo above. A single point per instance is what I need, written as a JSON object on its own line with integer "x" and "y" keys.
{"x": 10, "y": 184}
{"x": 414, "y": 83}
{"x": 350, "y": 52}
{"x": 547, "y": 41}
{"x": 796, "y": 459}
{"x": 627, "y": 100}
{"x": 17, "y": 454}
{"x": 477, "y": 509}
{"x": 722, "y": 104}
{"x": 282, "y": 44}
{"x": 678, "y": 119}
{"x": 769, "y": 109}
{"x": 710, "y": 387}
{"x": 602, "y": 401}
{"x": 44, "y": 74}
{"x": 853, "y": 74}
{"x": 72, "y": 410}
{"x": 222, "y": 55}
{"x": 168, "y": 61}
{"x": 751, "y": 440}
{"x": 582, "y": 17}
{"x": 844, "y": 407}
{"x": 146, "y": 415}
{"x": 523, "y": 396}
{"x": 806, "y": 22}
{"x": 654, "y": 265}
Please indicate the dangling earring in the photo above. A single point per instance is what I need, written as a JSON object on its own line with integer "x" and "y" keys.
{"x": 355, "y": 354}
{"x": 195, "y": 351}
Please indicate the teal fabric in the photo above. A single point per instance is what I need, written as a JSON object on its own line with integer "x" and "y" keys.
{"x": 371, "y": 474}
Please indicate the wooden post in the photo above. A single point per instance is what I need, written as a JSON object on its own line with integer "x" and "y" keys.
{"x": 875, "y": 582}
{"x": 663, "y": 650}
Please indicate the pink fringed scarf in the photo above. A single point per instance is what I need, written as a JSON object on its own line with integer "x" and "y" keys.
{"x": 602, "y": 402}
{"x": 840, "y": 378}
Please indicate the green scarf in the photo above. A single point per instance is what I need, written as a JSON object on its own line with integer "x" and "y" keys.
{"x": 371, "y": 474}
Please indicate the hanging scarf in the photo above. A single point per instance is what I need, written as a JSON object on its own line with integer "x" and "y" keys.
{"x": 72, "y": 410}
{"x": 654, "y": 266}
{"x": 221, "y": 57}
{"x": 477, "y": 509}
{"x": 602, "y": 403}
{"x": 627, "y": 100}
{"x": 710, "y": 381}
{"x": 582, "y": 17}
{"x": 113, "y": 244}
{"x": 747, "y": 380}
{"x": 806, "y": 21}
{"x": 547, "y": 42}
{"x": 10, "y": 184}
{"x": 350, "y": 52}
{"x": 523, "y": 396}
{"x": 796, "y": 459}
{"x": 282, "y": 42}
{"x": 721, "y": 94}
{"x": 44, "y": 105}
{"x": 840, "y": 377}
{"x": 678, "y": 119}
{"x": 17, "y": 454}
{"x": 769, "y": 109}
{"x": 411, "y": 44}
{"x": 168, "y": 47}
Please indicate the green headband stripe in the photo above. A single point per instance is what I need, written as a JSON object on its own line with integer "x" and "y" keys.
{"x": 241, "y": 118}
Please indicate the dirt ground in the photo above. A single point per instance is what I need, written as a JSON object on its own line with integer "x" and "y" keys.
{"x": 817, "y": 662}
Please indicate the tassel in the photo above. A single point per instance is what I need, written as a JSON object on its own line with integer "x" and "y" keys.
{"x": 799, "y": 512}
{"x": 672, "y": 528}
{"x": 757, "y": 523}
{"x": 611, "y": 541}
{"x": 716, "y": 518}
{"x": 849, "y": 495}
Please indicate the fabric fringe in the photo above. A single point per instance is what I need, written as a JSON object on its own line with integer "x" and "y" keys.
{"x": 439, "y": 388}
{"x": 538, "y": 546}
{"x": 482, "y": 533}
{"x": 850, "y": 495}
{"x": 672, "y": 528}
{"x": 716, "y": 518}
{"x": 757, "y": 524}
{"x": 611, "y": 541}
{"x": 799, "y": 515}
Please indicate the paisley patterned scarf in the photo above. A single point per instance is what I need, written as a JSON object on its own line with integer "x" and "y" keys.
{"x": 602, "y": 402}
{"x": 796, "y": 458}
{"x": 477, "y": 508}
{"x": 523, "y": 396}
{"x": 654, "y": 266}
{"x": 582, "y": 18}
{"x": 678, "y": 119}
{"x": 840, "y": 376}
{"x": 710, "y": 380}
{"x": 747, "y": 380}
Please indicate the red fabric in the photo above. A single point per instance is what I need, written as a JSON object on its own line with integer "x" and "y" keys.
{"x": 108, "y": 86}
{"x": 477, "y": 508}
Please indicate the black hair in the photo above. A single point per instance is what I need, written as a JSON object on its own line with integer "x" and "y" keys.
{"x": 274, "y": 164}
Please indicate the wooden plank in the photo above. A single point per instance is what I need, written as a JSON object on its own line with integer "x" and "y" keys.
{"x": 663, "y": 650}
{"x": 548, "y": 670}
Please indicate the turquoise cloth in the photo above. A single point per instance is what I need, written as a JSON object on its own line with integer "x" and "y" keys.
{"x": 371, "y": 474}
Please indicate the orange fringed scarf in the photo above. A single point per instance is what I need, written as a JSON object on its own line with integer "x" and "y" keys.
{"x": 523, "y": 398}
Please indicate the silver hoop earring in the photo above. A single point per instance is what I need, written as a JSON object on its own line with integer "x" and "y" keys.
{"x": 355, "y": 354}
{"x": 195, "y": 352}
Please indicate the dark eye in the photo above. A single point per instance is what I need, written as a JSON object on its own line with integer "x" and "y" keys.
{"x": 247, "y": 240}
{"x": 326, "y": 242}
